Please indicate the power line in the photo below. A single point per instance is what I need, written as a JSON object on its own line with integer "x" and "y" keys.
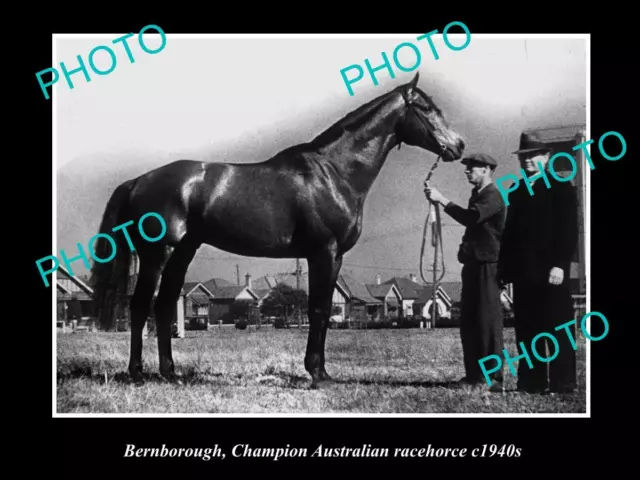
{"x": 413, "y": 228}
{"x": 365, "y": 240}
{"x": 374, "y": 267}
{"x": 295, "y": 272}
{"x": 397, "y": 269}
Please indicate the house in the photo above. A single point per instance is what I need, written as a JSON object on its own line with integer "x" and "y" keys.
{"x": 226, "y": 299}
{"x": 341, "y": 302}
{"x": 423, "y": 305}
{"x": 390, "y": 297}
{"x": 197, "y": 299}
{"x": 74, "y": 297}
{"x": 409, "y": 290}
{"x": 449, "y": 294}
{"x": 263, "y": 286}
{"x": 268, "y": 282}
{"x": 452, "y": 291}
{"x": 506, "y": 300}
{"x": 448, "y": 298}
{"x": 215, "y": 282}
{"x": 354, "y": 300}
{"x": 261, "y": 294}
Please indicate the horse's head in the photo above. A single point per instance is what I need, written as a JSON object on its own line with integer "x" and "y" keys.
{"x": 423, "y": 125}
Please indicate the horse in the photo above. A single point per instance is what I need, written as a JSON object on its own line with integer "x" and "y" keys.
{"x": 306, "y": 201}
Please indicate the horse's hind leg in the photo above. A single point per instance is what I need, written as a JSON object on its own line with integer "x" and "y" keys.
{"x": 165, "y": 307}
{"x": 151, "y": 263}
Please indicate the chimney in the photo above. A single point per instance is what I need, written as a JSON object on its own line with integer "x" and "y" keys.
{"x": 247, "y": 280}
{"x": 378, "y": 279}
{"x": 412, "y": 276}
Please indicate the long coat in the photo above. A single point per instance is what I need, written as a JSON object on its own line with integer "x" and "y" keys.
{"x": 541, "y": 232}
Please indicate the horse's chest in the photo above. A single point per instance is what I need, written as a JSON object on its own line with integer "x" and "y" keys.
{"x": 351, "y": 230}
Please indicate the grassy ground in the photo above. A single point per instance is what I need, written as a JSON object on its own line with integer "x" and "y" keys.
{"x": 231, "y": 371}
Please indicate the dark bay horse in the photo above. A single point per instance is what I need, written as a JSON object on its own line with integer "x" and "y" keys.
{"x": 307, "y": 201}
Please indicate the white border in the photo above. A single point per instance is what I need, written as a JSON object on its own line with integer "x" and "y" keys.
{"x": 587, "y": 224}
{"x": 583, "y": 36}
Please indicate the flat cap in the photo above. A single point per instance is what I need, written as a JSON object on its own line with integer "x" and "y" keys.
{"x": 479, "y": 159}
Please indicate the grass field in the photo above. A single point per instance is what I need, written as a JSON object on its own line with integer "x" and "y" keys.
{"x": 232, "y": 371}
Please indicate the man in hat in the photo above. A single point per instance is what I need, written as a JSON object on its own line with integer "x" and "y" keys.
{"x": 481, "y": 317}
{"x": 538, "y": 245}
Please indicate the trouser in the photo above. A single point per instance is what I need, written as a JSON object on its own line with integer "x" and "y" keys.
{"x": 481, "y": 319}
{"x": 540, "y": 309}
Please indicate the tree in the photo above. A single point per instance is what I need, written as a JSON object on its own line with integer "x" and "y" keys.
{"x": 283, "y": 300}
{"x": 241, "y": 309}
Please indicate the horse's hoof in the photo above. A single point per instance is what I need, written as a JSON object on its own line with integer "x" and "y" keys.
{"x": 137, "y": 379}
{"x": 172, "y": 378}
{"x": 318, "y": 383}
{"x": 324, "y": 376}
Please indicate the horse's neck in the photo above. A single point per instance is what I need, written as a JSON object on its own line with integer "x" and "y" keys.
{"x": 362, "y": 142}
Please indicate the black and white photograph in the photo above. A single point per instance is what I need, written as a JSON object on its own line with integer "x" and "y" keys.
{"x": 322, "y": 225}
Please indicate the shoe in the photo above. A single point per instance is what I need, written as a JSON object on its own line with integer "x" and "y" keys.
{"x": 532, "y": 390}
{"x": 496, "y": 386}
{"x": 564, "y": 389}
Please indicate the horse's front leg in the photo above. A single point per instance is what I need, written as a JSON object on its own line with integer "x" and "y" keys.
{"x": 323, "y": 273}
{"x": 324, "y": 376}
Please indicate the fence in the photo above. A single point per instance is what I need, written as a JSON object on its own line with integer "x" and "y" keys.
{"x": 74, "y": 326}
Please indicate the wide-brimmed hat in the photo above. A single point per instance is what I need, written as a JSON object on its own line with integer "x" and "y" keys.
{"x": 479, "y": 159}
{"x": 529, "y": 143}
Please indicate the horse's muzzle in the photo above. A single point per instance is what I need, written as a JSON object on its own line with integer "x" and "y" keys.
{"x": 451, "y": 154}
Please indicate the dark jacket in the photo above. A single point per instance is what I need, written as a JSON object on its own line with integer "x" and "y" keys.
{"x": 541, "y": 232}
{"x": 485, "y": 220}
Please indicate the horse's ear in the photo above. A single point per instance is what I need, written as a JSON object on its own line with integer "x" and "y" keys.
{"x": 413, "y": 83}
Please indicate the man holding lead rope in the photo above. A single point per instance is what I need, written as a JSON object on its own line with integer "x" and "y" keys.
{"x": 481, "y": 317}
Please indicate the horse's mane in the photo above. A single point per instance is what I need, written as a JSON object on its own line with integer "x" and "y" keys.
{"x": 352, "y": 121}
{"x": 356, "y": 118}
{"x": 430, "y": 101}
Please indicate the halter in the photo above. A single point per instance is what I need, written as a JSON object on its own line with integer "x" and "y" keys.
{"x": 436, "y": 239}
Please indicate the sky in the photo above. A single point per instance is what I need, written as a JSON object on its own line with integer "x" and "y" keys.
{"x": 245, "y": 99}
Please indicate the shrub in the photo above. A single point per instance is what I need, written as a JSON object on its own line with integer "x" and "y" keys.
{"x": 280, "y": 322}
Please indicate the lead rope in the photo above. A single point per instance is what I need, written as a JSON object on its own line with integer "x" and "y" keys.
{"x": 436, "y": 241}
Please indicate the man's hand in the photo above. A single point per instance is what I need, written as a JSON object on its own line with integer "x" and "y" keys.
{"x": 434, "y": 195}
{"x": 556, "y": 275}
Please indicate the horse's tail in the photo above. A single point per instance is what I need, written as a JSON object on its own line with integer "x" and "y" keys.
{"x": 110, "y": 279}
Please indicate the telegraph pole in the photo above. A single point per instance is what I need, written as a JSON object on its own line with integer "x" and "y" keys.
{"x": 434, "y": 300}
{"x": 238, "y": 274}
{"x": 298, "y": 288}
